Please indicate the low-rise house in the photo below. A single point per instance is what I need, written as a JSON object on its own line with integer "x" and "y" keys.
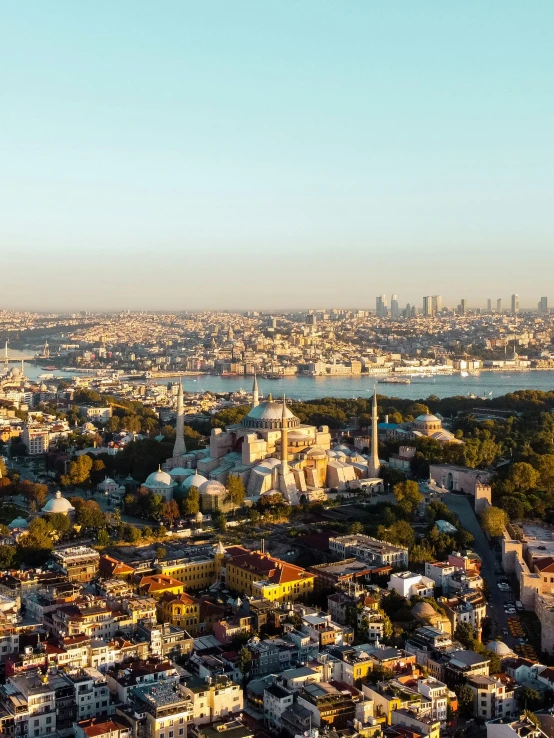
{"x": 493, "y": 697}
{"x": 408, "y": 584}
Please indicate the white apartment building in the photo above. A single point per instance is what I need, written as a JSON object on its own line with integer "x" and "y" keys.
{"x": 40, "y": 699}
{"x": 101, "y": 414}
{"x": 437, "y": 693}
{"x": 492, "y": 698}
{"x": 439, "y": 571}
{"x": 368, "y": 549}
{"x": 408, "y": 584}
{"x": 36, "y": 438}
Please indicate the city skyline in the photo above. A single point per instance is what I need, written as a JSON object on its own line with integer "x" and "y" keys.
{"x": 186, "y": 158}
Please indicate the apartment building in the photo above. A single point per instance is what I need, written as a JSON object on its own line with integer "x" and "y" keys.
{"x": 370, "y": 550}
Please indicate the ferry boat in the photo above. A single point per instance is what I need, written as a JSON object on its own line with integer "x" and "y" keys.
{"x": 394, "y": 380}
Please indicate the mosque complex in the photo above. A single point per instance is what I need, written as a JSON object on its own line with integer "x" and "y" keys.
{"x": 272, "y": 452}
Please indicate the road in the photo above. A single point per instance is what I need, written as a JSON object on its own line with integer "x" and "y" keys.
{"x": 460, "y": 505}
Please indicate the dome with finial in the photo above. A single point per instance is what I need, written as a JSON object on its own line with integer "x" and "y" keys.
{"x": 18, "y": 524}
{"x": 196, "y": 480}
{"x": 58, "y": 505}
{"x": 268, "y": 415}
{"x": 198, "y": 518}
{"x": 159, "y": 480}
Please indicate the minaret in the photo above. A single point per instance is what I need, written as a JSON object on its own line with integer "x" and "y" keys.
{"x": 374, "y": 466}
{"x": 284, "y": 440}
{"x": 179, "y": 449}
{"x": 255, "y": 393}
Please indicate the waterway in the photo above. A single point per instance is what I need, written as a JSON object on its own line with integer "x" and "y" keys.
{"x": 483, "y": 384}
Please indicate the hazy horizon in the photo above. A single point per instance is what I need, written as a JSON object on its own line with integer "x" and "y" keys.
{"x": 278, "y": 155}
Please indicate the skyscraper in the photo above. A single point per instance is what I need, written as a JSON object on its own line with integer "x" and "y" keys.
{"x": 543, "y": 305}
{"x": 381, "y": 306}
{"x": 499, "y": 305}
{"x": 462, "y": 307}
{"x": 515, "y": 304}
{"x": 427, "y": 306}
{"x": 489, "y": 305}
{"x": 436, "y": 304}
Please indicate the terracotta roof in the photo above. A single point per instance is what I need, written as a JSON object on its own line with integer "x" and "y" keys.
{"x": 157, "y": 583}
{"x": 265, "y": 566}
{"x": 183, "y": 598}
{"x": 99, "y": 726}
{"x": 112, "y": 566}
{"x": 545, "y": 564}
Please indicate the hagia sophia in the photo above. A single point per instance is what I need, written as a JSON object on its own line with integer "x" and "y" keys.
{"x": 272, "y": 452}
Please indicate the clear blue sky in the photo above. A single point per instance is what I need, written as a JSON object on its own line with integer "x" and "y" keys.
{"x": 273, "y": 154}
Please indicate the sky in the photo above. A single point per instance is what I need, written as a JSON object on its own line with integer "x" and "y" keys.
{"x": 274, "y": 154}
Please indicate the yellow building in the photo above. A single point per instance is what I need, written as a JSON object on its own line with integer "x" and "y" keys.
{"x": 181, "y": 610}
{"x": 157, "y": 585}
{"x": 260, "y": 575}
{"x": 195, "y": 572}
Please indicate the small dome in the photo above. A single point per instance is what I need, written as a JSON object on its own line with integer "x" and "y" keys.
{"x": 427, "y": 419}
{"x": 315, "y": 452}
{"x": 198, "y": 517}
{"x": 196, "y": 480}
{"x": 423, "y": 610}
{"x": 270, "y": 463}
{"x": 18, "y": 523}
{"x": 159, "y": 479}
{"x": 212, "y": 487}
{"x": 58, "y": 505}
{"x": 499, "y": 648}
{"x": 179, "y": 471}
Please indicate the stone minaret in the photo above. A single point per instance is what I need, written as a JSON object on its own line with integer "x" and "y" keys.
{"x": 180, "y": 449}
{"x": 255, "y": 393}
{"x": 284, "y": 440}
{"x": 374, "y": 466}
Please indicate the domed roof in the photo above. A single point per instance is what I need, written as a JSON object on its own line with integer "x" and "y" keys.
{"x": 269, "y": 463}
{"x": 269, "y": 414}
{"x": 196, "y": 480}
{"x": 18, "y": 523}
{"x": 159, "y": 479}
{"x": 423, "y": 610}
{"x": 315, "y": 452}
{"x": 58, "y": 505}
{"x": 211, "y": 487}
{"x": 179, "y": 471}
{"x": 499, "y": 648}
{"x": 427, "y": 418}
{"x": 199, "y": 517}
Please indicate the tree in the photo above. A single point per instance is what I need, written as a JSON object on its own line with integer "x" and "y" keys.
{"x": 98, "y": 471}
{"x": 155, "y": 506}
{"x": 236, "y": 494}
{"x": 408, "y": 496}
{"x": 191, "y": 502}
{"x": 60, "y": 523}
{"x": 89, "y": 514}
{"x": 161, "y": 532}
{"x": 147, "y": 532}
{"x": 78, "y": 471}
{"x": 7, "y": 557}
{"x": 245, "y": 663}
{"x": 35, "y": 547}
{"x": 465, "y": 700}
{"x": 103, "y": 538}
{"x": 465, "y": 633}
{"x": 112, "y": 425}
{"x": 170, "y": 511}
{"x": 130, "y": 533}
{"x": 356, "y": 528}
{"x": 493, "y": 521}
{"x": 161, "y": 552}
{"x": 521, "y": 478}
{"x": 400, "y": 533}
{"x": 529, "y": 699}
{"x": 35, "y": 494}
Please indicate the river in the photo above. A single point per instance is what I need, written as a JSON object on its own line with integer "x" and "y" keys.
{"x": 489, "y": 384}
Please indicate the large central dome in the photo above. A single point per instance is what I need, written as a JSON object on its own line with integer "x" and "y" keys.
{"x": 269, "y": 415}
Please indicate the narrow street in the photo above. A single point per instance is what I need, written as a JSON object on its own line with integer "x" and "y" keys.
{"x": 460, "y": 505}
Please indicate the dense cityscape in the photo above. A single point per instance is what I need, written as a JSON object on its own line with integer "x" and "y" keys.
{"x": 276, "y": 369}
{"x": 233, "y": 562}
